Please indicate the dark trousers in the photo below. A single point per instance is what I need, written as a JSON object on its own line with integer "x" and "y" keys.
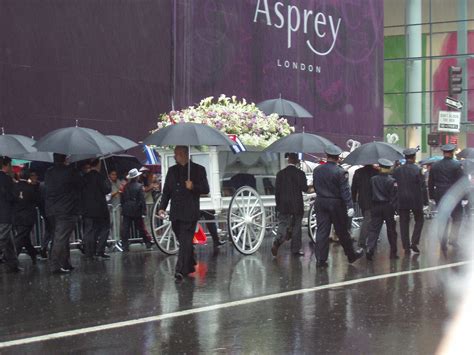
{"x": 184, "y": 231}
{"x": 48, "y": 233}
{"x": 139, "y": 227}
{"x": 211, "y": 225}
{"x": 63, "y": 227}
{"x": 96, "y": 232}
{"x": 405, "y": 227}
{"x": 7, "y": 246}
{"x": 23, "y": 239}
{"x": 331, "y": 212}
{"x": 364, "y": 228}
{"x": 382, "y": 212}
{"x": 289, "y": 227}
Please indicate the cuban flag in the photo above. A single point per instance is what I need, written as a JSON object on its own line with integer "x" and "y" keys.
{"x": 238, "y": 146}
{"x": 151, "y": 156}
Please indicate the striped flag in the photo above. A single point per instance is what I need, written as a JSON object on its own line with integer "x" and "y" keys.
{"x": 238, "y": 146}
{"x": 151, "y": 156}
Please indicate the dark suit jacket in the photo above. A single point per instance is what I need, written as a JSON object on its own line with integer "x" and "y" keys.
{"x": 27, "y": 198}
{"x": 133, "y": 200}
{"x": 443, "y": 174}
{"x": 290, "y": 184}
{"x": 96, "y": 187}
{"x": 7, "y": 198}
{"x": 63, "y": 187}
{"x": 184, "y": 203}
{"x": 411, "y": 187}
{"x": 361, "y": 188}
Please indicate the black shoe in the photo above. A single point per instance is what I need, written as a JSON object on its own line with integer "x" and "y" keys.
{"x": 103, "y": 256}
{"x": 298, "y": 253}
{"x": 61, "y": 271}
{"x": 275, "y": 247}
{"x": 415, "y": 248}
{"x": 69, "y": 267}
{"x": 14, "y": 270}
{"x": 355, "y": 256}
{"x": 321, "y": 263}
{"x": 219, "y": 243}
{"x": 149, "y": 245}
{"x": 178, "y": 277}
{"x": 369, "y": 255}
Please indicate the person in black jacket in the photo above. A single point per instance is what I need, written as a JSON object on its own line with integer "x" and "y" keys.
{"x": 63, "y": 186}
{"x": 7, "y": 199}
{"x": 133, "y": 207}
{"x": 333, "y": 205}
{"x": 384, "y": 204}
{"x": 443, "y": 175}
{"x": 27, "y": 198}
{"x": 361, "y": 193}
{"x": 95, "y": 211}
{"x": 412, "y": 196}
{"x": 184, "y": 192}
{"x": 290, "y": 184}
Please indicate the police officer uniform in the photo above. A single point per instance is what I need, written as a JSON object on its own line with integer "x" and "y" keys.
{"x": 384, "y": 202}
{"x": 332, "y": 206}
{"x": 444, "y": 174}
{"x": 412, "y": 195}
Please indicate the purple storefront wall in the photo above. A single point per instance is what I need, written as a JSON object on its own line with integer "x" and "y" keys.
{"x": 117, "y": 65}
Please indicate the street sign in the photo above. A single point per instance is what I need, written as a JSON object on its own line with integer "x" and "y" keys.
{"x": 449, "y": 121}
{"x": 453, "y": 103}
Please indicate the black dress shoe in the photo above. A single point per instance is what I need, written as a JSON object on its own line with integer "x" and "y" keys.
{"x": 103, "y": 256}
{"x": 298, "y": 253}
{"x": 218, "y": 243}
{"x": 415, "y": 248}
{"x": 369, "y": 255}
{"x": 321, "y": 263}
{"x": 355, "y": 256}
{"x": 61, "y": 271}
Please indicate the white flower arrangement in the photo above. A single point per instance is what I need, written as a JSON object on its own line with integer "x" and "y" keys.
{"x": 232, "y": 116}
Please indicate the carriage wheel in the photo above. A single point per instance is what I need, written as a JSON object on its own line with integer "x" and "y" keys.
{"x": 246, "y": 220}
{"x": 312, "y": 223}
{"x": 163, "y": 235}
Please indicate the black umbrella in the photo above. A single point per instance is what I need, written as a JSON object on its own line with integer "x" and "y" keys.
{"x": 122, "y": 163}
{"x": 284, "y": 107}
{"x": 125, "y": 143}
{"x": 299, "y": 143}
{"x": 77, "y": 140}
{"x": 13, "y": 145}
{"x": 370, "y": 153}
{"x": 188, "y": 133}
{"x": 466, "y": 153}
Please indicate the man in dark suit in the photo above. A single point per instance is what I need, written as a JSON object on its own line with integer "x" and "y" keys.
{"x": 184, "y": 192}
{"x": 27, "y": 198}
{"x": 443, "y": 175}
{"x": 361, "y": 193}
{"x": 7, "y": 198}
{"x": 95, "y": 211}
{"x": 332, "y": 206}
{"x": 63, "y": 186}
{"x": 384, "y": 204}
{"x": 412, "y": 196}
{"x": 290, "y": 184}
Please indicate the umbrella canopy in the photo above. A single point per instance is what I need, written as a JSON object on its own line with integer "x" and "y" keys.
{"x": 284, "y": 107}
{"x": 466, "y": 153}
{"x": 300, "y": 143}
{"x": 188, "y": 134}
{"x": 370, "y": 153}
{"x": 13, "y": 145}
{"x": 77, "y": 140}
{"x": 125, "y": 143}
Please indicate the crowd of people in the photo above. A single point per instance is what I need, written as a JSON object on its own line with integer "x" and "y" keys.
{"x": 381, "y": 190}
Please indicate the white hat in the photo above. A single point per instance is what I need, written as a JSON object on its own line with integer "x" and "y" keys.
{"x": 132, "y": 174}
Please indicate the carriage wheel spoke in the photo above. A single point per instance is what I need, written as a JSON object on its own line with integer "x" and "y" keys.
{"x": 237, "y": 225}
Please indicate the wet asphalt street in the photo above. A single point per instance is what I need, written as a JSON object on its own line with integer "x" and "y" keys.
{"x": 233, "y": 303}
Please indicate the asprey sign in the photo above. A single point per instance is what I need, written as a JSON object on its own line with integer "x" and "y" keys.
{"x": 449, "y": 121}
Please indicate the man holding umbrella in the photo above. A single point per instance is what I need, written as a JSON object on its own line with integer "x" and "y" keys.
{"x": 290, "y": 184}
{"x": 184, "y": 184}
{"x": 332, "y": 206}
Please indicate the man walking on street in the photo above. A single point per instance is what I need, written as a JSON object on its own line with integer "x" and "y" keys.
{"x": 63, "y": 186}
{"x": 95, "y": 211}
{"x": 184, "y": 192}
{"x": 332, "y": 206}
{"x": 289, "y": 187}
{"x": 412, "y": 196}
{"x": 7, "y": 198}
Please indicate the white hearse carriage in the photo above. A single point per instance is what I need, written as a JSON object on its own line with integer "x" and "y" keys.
{"x": 242, "y": 195}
